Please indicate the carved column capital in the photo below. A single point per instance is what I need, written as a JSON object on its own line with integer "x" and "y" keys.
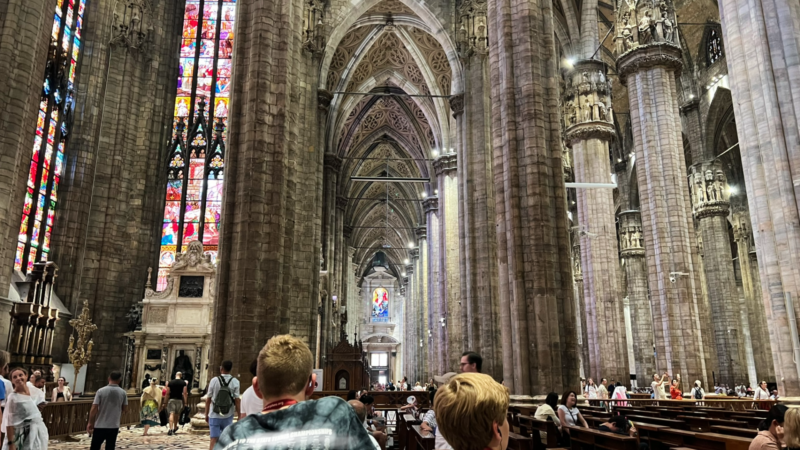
{"x": 409, "y": 269}
{"x": 445, "y": 164}
{"x": 631, "y": 239}
{"x": 422, "y": 233}
{"x": 341, "y": 203}
{"x": 691, "y": 105}
{"x": 431, "y": 204}
{"x": 648, "y": 56}
{"x": 332, "y": 163}
{"x": 457, "y": 105}
{"x": 588, "y": 111}
{"x": 324, "y": 98}
{"x": 710, "y": 192}
{"x": 414, "y": 253}
{"x": 347, "y": 232}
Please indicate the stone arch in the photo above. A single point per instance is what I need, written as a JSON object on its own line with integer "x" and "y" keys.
{"x": 719, "y": 110}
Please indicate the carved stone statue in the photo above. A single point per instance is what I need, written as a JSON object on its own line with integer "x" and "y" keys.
{"x": 669, "y": 30}
{"x": 587, "y": 111}
{"x": 585, "y": 77}
{"x": 602, "y": 111}
{"x": 610, "y": 114}
{"x": 596, "y": 111}
{"x": 183, "y": 364}
{"x": 646, "y": 28}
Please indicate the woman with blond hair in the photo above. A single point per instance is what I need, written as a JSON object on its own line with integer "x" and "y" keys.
{"x": 151, "y": 398}
{"x": 791, "y": 429}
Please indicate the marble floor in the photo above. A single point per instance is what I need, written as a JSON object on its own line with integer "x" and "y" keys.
{"x": 133, "y": 440}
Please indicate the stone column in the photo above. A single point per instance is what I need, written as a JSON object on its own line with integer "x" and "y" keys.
{"x": 761, "y": 46}
{"x": 537, "y": 308}
{"x": 338, "y": 275}
{"x": 412, "y": 307}
{"x": 331, "y": 168}
{"x": 711, "y": 205}
{"x": 580, "y": 300}
{"x": 435, "y": 304}
{"x": 631, "y": 245}
{"x": 589, "y": 130}
{"x": 753, "y": 304}
{"x": 647, "y": 64}
{"x": 424, "y": 312}
{"x": 449, "y": 279}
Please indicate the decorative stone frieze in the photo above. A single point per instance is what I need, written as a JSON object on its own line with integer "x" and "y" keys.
{"x": 587, "y": 101}
{"x": 649, "y": 56}
{"x": 641, "y": 23}
{"x": 710, "y": 192}
{"x": 631, "y": 239}
{"x": 131, "y": 27}
{"x": 445, "y": 164}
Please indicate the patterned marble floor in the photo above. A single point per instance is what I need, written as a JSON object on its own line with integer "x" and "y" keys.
{"x": 132, "y": 439}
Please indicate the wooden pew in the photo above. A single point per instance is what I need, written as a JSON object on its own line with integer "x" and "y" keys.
{"x": 625, "y": 410}
{"x": 602, "y": 415}
{"x": 670, "y": 423}
{"x": 532, "y": 427}
{"x": 592, "y": 408}
{"x": 405, "y": 422}
{"x": 661, "y": 438}
{"x": 601, "y": 440}
{"x": 703, "y": 424}
{"x": 520, "y": 442}
{"x": 423, "y": 440}
{"x": 595, "y": 422}
{"x": 674, "y": 414}
{"x": 752, "y": 421}
{"x": 734, "y": 431}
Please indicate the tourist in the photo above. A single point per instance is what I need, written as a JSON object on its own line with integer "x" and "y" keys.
{"x": 547, "y": 411}
{"x": 474, "y": 399}
{"x": 33, "y": 374}
{"x": 770, "y": 431}
{"x": 602, "y": 390}
{"x": 150, "y": 401}
{"x": 591, "y": 390}
{"x": 222, "y": 399}
{"x": 251, "y": 404}
{"x": 675, "y": 391}
{"x": 471, "y": 362}
{"x": 761, "y": 392}
{"x": 22, "y": 420}
{"x": 361, "y": 413}
{"x": 418, "y": 387}
{"x": 620, "y": 393}
{"x": 61, "y": 393}
{"x": 429, "y": 424}
{"x": 619, "y": 425}
{"x": 109, "y": 404}
{"x": 36, "y": 388}
{"x": 285, "y": 382}
{"x": 146, "y": 381}
{"x": 8, "y": 388}
{"x": 659, "y": 392}
{"x": 177, "y": 396}
{"x": 774, "y": 395}
{"x": 697, "y": 391}
{"x": 791, "y": 429}
{"x": 568, "y": 414}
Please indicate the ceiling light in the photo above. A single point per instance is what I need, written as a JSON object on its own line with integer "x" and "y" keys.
{"x": 435, "y": 153}
{"x": 436, "y": 192}
{"x": 410, "y": 245}
{"x": 405, "y": 261}
{"x": 423, "y": 195}
{"x": 571, "y": 61}
{"x": 404, "y": 274}
{"x": 733, "y": 190}
{"x": 619, "y": 159}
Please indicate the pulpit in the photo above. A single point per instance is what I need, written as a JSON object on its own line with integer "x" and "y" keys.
{"x": 346, "y": 367}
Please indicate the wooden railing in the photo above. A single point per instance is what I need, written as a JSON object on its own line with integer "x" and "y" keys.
{"x": 384, "y": 398}
{"x": 68, "y": 418}
{"x": 729, "y": 403}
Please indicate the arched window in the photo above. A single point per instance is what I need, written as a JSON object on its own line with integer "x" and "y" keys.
{"x": 380, "y": 305}
{"x": 56, "y": 106}
{"x": 713, "y": 46}
{"x": 193, "y": 205}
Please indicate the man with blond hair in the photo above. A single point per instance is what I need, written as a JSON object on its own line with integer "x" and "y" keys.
{"x": 471, "y": 412}
{"x": 290, "y": 419}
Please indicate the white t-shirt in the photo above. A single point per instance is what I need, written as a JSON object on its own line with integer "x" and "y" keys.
{"x": 36, "y": 394}
{"x": 570, "y": 415}
{"x": 9, "y": 389}
{"x": 213, "y": 388}
{"x": 760, "y": 394}
{"x": 251, "y": 404}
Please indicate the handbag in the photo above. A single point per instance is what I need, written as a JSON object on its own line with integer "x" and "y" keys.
{"x": 186, "y": 416}
{"x": 163, "y": 417}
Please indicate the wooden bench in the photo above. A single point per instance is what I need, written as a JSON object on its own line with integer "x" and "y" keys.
{"x": 531, "y": 427}
{"x": 625, "y": 410}
{"x": 662, "y": 438}
{"x": 675, "y": 414}
{"x": 671, "y": 423}
{"x": 601, "y": 439}
{"x": 752, "y": 421}
{"x": 405, "y": 422}
{"x": 703, "y": 424}
{"x": 603, "y": 415}
{"x": 734, "y": 431}
{"x": 423, "y": 440}
{"x": 520, "y": 442}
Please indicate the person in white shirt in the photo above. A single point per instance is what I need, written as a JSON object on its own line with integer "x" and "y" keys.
{"x": 36, "y": 390}
{"x": 5, "y": 357}
{"x": 418, "y": 387}
{"x": 658, "y": 386}
{"x": 591, "y": 389}
{"x": 761, "y": 392}
{"x": 251, "y": 404}
{"x": 697, "y": 391}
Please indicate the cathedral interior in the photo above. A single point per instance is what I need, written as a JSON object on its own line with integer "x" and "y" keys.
{"x": 571, "y": 188}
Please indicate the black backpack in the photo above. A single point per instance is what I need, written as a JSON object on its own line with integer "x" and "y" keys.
{"x": 223, "y": 401}
{"x": 698, "y": 393}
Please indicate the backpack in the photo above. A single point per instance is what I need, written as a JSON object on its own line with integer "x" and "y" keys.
{"x": 698, "y": 394}
{"x": 223, "y": 401}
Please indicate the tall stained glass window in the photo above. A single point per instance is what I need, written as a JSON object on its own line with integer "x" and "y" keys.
{"x": 197, "y": 152}
{"x": 56, "y": 107}
{"x": 380, "y": 305}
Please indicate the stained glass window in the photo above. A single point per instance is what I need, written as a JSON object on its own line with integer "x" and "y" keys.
{"x": 713, "y": 46}
{"x": 197, "y": 153}
{"x": 380, "y": 305}
{"x": 53, "y": 123}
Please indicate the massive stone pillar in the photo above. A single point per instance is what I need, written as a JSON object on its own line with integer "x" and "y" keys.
{"x": 471, "y": 110}
{"x": 761, "y": 42}
{"x": 537, "y": 308}
{"x": 580, "y": 301}
{"x": 589, "y": 130}
{"x": 269, "y": 255}
{"x": 436, "y": 304}
{"x": 647, "y": 63}
{"x": 449, "y": 259}
{"x": 411, "y": 310}
{"x": 330, "y": 215}
{"x": 631, "y": 245}
{"x": 423, "y": 317}
{"x": 23, "y": 49}
{"x": 753, "y": 305}
{"x": 711, "y": 205}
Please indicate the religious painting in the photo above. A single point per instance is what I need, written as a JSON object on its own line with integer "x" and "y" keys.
{"x": 380, "y": 303}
